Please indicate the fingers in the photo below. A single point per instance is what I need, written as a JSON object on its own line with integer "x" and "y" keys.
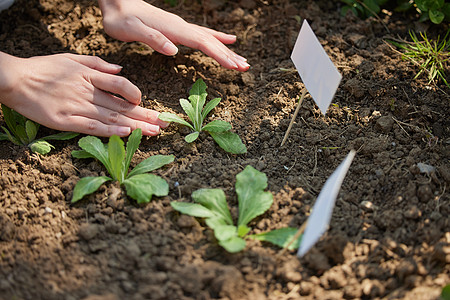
{"x": 116, "y": 85}
{"x": 95, "y": 63}
{"x": 221, "y": 36}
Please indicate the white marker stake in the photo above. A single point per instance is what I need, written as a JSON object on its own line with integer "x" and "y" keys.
{"x": 320, "y": 217}
{"x": 316, "y": 69}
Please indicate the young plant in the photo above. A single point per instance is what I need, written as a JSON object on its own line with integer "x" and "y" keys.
{"x": 22, "y": 131}
{"x": 362, "y": 8}
{"x": 431, "y": 57}
{"x": 197, "y": 111}
{"x": 139, "y": 185}
{"x": 211, "y": 205}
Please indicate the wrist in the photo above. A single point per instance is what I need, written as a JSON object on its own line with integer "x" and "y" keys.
{"x": 8, "y": 76}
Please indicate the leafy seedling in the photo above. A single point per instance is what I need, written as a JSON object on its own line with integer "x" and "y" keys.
{"x": 211, "y": 205}
{"x": 139, "y": 185}
{"x": 431, "y": 57}
{"x": 196, "y": 110}
{"x": 22, "y": 131}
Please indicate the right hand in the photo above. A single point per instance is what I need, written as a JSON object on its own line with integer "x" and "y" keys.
{"x": 71, "y": 92}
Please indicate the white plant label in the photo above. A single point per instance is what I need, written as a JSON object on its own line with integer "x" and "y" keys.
{"x": 320, "y": 217}
{"x": 318, "y": 73}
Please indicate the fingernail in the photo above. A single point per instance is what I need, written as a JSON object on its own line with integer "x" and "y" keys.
{"x": 170, "y": 49}
{"x": 116, "y": 66}
{"x": 240, "y": 57}
{"x": 123, "y": 131}
{"x": 232, "y": 63}
{"x": 153, "y": 129}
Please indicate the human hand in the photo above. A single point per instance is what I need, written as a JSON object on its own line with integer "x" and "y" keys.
{"x": 136, "y": 20}
{"x": 71, "y": 92}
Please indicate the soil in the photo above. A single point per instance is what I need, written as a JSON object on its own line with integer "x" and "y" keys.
{"x": 389, "y": 236}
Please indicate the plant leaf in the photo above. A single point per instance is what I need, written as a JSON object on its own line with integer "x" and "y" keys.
{"x": 215, "y": 222}
{"x": 191, "y": 137}
{"x": 97, "y": 149}
{"x": 445, "y": 294}
{"x": 225, "y": 232}
{"x": 152, "y": 163}
{"x": 436, "y": 16}
{"x": 132, "y": 145}
{"x": 192, "y": 209}
{"x": 41, "y": 147}
{"x": 142, "y": 187}
{"x": 3, "y": 137}
{"x": 11, "y": 137}
{"x": 253, "y": 201}
{"x": 116, "y": 153}
{"x": 9, "y": 119}
{"x": 86, "y": 186}
{"x": 169, "y": 117}
{"x": 280, "y": 237}
{"x": 217, "y": 126}
{"x": 214, "y": 200}
{"x": 81, "y": 154}
{"x": 233, "y": 245}
{"x": 229, "y": 142}
{"x": 243, "y": 230}
{"x": 22, "y": 135}
{"x": 209, "y": 106}
{"x": 31, "y": 130}
{"x": 197, "y": 97}
{"x": 188, "y": 109}
{"x": 62, "y": 136}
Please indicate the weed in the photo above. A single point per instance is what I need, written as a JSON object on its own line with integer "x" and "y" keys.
{"x": 139, "y": 185}
{"x": 196, "y": 110}
{"x": 22, "y": 131}
{"x": 253, "y": 201}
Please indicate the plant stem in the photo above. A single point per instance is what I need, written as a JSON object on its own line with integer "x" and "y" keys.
{"x": 294, "y": 116}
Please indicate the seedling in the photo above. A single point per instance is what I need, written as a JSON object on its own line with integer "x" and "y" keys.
{"x": 211, "y": 205}
{"x": 362, "y": 8}
{"x": 22, "y": 131}
{"x": 196, "y": 110}
{"x": 431, "y": 57}
{"x": 139, "y": 185}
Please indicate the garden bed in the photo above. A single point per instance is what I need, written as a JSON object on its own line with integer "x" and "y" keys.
{"x": 389, "y": 236}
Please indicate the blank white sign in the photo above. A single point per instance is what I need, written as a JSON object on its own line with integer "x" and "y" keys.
{"x": 320, "y": 217}
{"x": 318, "y": 73}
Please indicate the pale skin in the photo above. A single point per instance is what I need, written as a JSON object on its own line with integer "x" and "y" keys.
{"x": 71, "y": 92}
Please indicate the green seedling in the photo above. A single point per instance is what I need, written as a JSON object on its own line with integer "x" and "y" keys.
{"x": 431, "y": 56}
{"x": 22, "y": 131}
{"x": 211, "y": 205}
{"x": 139, "y": 185}
{"x": 362, "y": 8}
{"x": 196, "y": 110}
{"x": 434, "y": 10}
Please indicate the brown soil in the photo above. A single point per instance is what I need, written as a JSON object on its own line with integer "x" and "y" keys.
{"x": 390, "y": 232}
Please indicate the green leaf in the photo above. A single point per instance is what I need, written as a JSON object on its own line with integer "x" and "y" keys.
{"x": 116, "y": 153}
{"x": 152, "y": 163}
{"x": 31, "y": 129}
{"x": 229, "y": 142}
{"x": 81, "y": 154}
{"x": 233, "y": 245}
{"x": 445, "y": 294}
{"x": 243, "y": 230}
{"x": 142, "y": 187}
{"x": 209, "y": 106}
{"x": 422, "y": 4}
{"x": 62, "y": 136}
{"x": 169, "y": 117}
{"x": 4, "y": 137}
{"x": 11, "y": 137}
{"x": 436, "y": 16}
{"x": 253, "y": 201}
{"x": 225, "y": 232}
{"x": 373, "y": 7}
{"x": 188, "y": 109}
{"x": 41, "y": 147}
{"x": 217, "y": 126}
{"x": 191, "y": 137}
{"x": 215, "y": 222}
{"x": 132, "y": 145}
{"x": 97, "y": 149}
{"x": 214, "y": 200}
{"x": 86, "y": 186}
{"x": 197, "y": 96}
{"x": 22, "y": 135}
{"x": 8, "y": 116}
{"x": 192, "y": 209}
{"x": 280, "y": 237}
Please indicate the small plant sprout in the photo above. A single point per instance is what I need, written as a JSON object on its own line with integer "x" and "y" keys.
{"x": 197, "y": 111}
{"x": 211, "y": 205}
{"x": 22, "y": 131}
{"x": 139, "y": 185}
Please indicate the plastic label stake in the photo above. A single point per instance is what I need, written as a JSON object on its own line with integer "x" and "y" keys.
{"x": 320, "y": 217}
{"x": 318, "y": 73}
